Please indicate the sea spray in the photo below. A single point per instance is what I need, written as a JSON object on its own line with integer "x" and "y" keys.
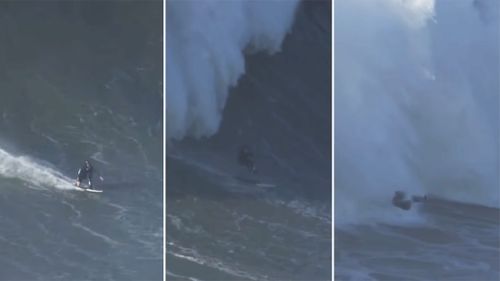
{"x": 28, "y": 170}
{"x": 206, "y": 43}
{"x": 417, "y": 106}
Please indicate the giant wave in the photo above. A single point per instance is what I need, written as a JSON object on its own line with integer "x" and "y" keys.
{"x": 416, "y": 103}
{"x": 206, "y": 44}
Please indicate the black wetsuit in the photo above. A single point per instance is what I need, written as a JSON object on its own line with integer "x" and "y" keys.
{"x": 245, "y": 158}
{"x": 85, "y": 172}
{"x": 399, "y": 200}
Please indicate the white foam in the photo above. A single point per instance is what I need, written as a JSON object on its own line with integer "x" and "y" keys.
{"x": 416, "y": 95}
{"x": 194, "y": 256}
{"x": 101, "y": 236}
{"x": 206, "y": 41}
{"x": 28, "y": 170}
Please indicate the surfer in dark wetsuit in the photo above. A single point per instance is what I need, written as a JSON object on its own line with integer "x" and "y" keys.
{"x": 399, "y": 200}
{"x": 245, "y": 158}
{"x": 85, "y": 172}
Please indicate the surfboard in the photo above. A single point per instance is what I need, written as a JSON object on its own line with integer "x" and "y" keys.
{"x": 88, "y": 189}
{"x": 254, "y": 182}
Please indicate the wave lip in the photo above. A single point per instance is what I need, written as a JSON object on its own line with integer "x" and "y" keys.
{"x": 205, "y": 55}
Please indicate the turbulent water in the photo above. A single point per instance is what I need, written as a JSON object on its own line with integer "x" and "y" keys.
{"x": 255, "y": 73}
{"x": 417, "y": 109}
{"x": 80, "y": 80}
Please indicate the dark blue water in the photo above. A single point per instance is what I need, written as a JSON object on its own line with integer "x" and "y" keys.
{"x": 81, "y": 80}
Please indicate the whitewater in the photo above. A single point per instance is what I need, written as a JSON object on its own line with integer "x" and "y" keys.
{"x": 417, "y": 109}
{"x": 255, "y": 73}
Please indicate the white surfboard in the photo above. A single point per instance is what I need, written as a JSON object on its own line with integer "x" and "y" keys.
{"x": 88, "y": 189}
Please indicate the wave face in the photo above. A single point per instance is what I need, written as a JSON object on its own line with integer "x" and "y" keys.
{"x": 205, "y": 56}
{"x": 81, "y": 80}
{"x": 416, "y": 103}
{"x": 281, "y": 109}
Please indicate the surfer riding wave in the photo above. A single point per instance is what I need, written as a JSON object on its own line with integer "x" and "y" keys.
{"x": 86, "y": 172}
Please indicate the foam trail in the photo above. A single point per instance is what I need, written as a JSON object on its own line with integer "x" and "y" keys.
{"x": 206, "y": 41}
{"x": 25, "y": 169}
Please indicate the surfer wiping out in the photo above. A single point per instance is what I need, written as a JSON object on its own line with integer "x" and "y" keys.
{"x": 399, "y": 200}
{"x": 245, "y": 158}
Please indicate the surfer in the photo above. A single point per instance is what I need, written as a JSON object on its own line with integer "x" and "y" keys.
{"x": 85, "y": 172}
{"x": 399, "y": 200}
{"x": 245, "y": 158}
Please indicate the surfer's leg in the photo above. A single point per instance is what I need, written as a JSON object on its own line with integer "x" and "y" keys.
{"x": 78, "y": 180}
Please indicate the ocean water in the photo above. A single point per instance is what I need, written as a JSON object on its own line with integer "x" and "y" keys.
{"x": 417, "y": 109}
{"x": 81, "y": 80}
{"x": 256, "y": 73}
